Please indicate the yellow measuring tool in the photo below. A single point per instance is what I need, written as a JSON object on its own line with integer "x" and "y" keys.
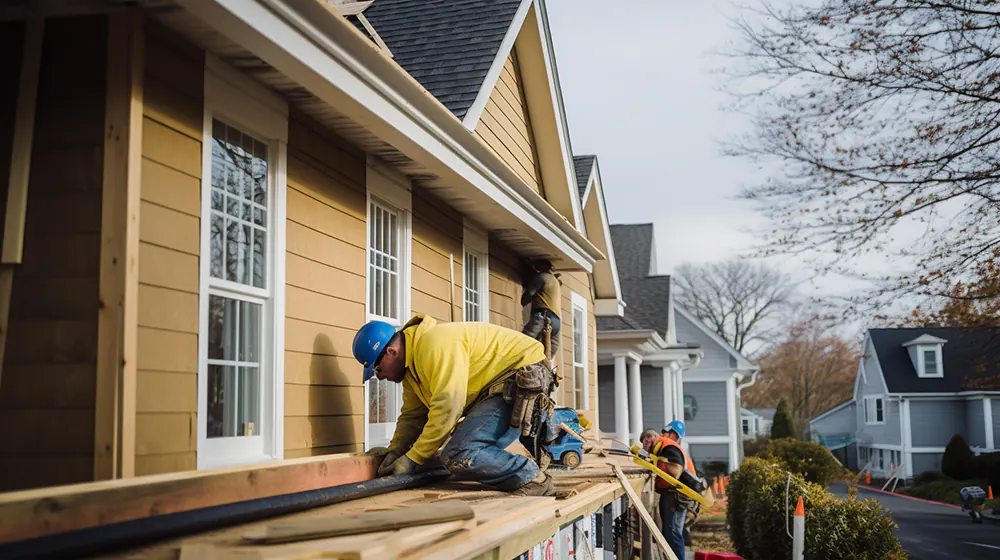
{"x": 680, "y": 486}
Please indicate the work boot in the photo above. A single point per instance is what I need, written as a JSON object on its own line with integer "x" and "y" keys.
{"x": 545, "y": 460}
{"x": 541, "y": 485}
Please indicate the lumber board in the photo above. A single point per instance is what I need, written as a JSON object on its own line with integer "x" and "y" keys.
{"x": 644, "y": 514}
{"x": 36, "y": 513}
{"x": 366, "y": 522}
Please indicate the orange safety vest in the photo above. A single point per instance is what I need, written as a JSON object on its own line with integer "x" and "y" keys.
{"x": 688, "y": 465}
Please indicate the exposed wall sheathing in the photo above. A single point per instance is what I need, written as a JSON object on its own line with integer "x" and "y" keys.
{"x": 49, "y": 374}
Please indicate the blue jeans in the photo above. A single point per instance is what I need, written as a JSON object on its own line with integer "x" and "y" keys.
{"x": 672, "y": 520}
{"x": 536, "y": 323}
{"x": 477, "y": 452}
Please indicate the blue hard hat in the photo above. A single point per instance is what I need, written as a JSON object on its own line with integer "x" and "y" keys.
{"x": 675, "y": 426}
{"x": 370, "y": 342}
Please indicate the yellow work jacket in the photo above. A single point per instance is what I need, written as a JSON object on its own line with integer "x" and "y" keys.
{"x": 447, "y": 366}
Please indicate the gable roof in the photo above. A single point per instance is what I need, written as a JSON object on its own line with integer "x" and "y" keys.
{"x": 971, "y": 359}
{"x": 449, "y": 46}
{"x": 633, "y": 249}
{"x": 741, "y": 362}
{"x": 583, "y": 165}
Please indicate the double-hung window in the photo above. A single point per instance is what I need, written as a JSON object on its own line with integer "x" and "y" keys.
{"x": 388, "y": 286}
{"x": 240, "y": 376}
{"x": 475, "y": 275}
{"x": 874, "y": 410}
{"x": 581, "y": 392}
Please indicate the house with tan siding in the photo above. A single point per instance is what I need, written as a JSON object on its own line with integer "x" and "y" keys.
{"x": 204, "y": 199}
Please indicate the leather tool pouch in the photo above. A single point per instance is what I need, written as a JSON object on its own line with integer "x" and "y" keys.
{"x": 531, "y": 385}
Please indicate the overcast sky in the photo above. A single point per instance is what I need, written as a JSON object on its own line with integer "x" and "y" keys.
{"x": 640, "y": 91}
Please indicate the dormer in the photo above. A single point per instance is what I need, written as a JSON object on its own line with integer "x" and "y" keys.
{"x": 925, "y": 353}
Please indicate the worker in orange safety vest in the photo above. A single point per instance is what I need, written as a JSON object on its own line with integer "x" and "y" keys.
{"x": 673, "y": 460}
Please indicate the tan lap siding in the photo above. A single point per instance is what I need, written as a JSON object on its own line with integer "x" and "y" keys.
{"x": 437, "y": 236}
{"x": 49, "y": 374}
{"x": 505, "y": 127}
{"x": 169, "y": 233}
{"x": 505, "y": 287}
{"x": 324, "y": 293}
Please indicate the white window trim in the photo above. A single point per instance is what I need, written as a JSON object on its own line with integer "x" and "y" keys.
{"x": 388, "y": 187}
{"x": 476, "y": 241}
{"x": 874, "y": 421}
{"x": 579, "y": 302}
{"x": 239, "y": 101}
{"x": 921, "y": 365}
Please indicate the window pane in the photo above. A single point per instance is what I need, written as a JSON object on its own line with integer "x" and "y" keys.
{"x": 218, "y": 248}
{"x": 234, "y": 347}
{"x": 580, "y": 382}
{"x": 373, "y": 401}
{"x": 383, "y": 398}
{"x": 930, "y": 362}
{"x": 239, "y": 179}
{"x": 259, "y": 260}
{"x": 248, "y": 406}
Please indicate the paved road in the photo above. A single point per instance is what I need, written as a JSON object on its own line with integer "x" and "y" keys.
{"x": 933, "y": 532}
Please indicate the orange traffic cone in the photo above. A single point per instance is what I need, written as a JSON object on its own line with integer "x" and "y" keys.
{"x": 868, "y": 478}
{"x": 989, "y": 492}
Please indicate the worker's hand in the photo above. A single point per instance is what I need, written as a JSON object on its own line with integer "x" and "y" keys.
{"x": 385, "y": 468}
{"x": 377, "y": 451}
{"x": 402, "y": 465}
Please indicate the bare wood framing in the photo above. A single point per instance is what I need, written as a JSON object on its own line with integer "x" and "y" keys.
{"x": 46, "y": 511}
{"x": 114, "y": 413}
{"x": 646, "y": 518}
{"x": 20, "y": 170}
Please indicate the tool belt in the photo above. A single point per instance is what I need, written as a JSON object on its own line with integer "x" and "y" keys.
{"x": 527, "y": 389}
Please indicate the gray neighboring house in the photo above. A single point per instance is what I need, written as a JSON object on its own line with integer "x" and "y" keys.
{"x": 836, "y": 429}
{"x": 915, "y": 389}
{"x": 756, "y": 422}
{"x": 682, "y": 369}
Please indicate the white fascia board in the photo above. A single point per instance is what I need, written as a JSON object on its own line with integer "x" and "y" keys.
{"x": 743, "y": 363}
{"x": 486, "y": 89}
{"x": 322, "y": 52}
{"x": 557, "y": 100}
{"x": 607, "y": 307}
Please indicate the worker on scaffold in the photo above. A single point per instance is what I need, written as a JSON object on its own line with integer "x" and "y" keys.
{"x": 491, "y": 375}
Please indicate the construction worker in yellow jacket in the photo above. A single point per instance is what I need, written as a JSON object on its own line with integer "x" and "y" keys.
{"x": 448, "y": 371}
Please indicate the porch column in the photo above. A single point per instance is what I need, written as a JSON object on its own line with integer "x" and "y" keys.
{"x": 635, "y": 398}
{"x": 679, "y": 395}
{"x": 988, "y": 420}
{"x": 621, "y": 400}
{"x": 668, "y": 403}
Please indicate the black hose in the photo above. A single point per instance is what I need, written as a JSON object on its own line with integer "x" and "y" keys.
{"x": 116, "y": 536}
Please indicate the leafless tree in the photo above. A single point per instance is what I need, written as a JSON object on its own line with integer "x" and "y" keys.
{"x": 884, "y": 119}
{"x": 812, "y": 368}
{"x": 737, "y": 298}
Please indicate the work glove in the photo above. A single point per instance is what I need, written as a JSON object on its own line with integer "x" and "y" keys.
{"x": 387, "y": 461}
{"x": 399, "y": 465}
{"x": 377, "y": 451}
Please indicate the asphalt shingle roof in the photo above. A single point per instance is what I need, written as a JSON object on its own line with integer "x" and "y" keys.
{"x": 616, "y": 323}
{"x": 633, "y": 245}
{"x": 446, "y": 45}
{"x": 971, "y": 359}
{"x": 583, "y": 165}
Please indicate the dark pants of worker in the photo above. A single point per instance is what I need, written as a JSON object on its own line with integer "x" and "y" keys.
{"x": 536, "y": 324}
{"x": 477, "y": 449}
{"x": 672, "y": 517}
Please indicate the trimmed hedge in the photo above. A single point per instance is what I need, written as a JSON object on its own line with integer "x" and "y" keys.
{"x": 835, "y": 528}
{"x": 807, "y": 458}
{"x": 957, "y": 458}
